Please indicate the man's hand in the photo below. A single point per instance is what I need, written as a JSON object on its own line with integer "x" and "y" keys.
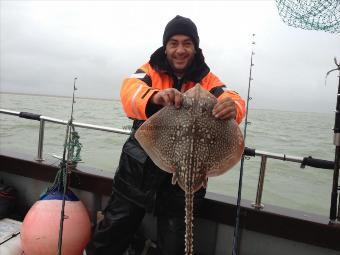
{"x": 168, "y": 96}
{"x": 225, "y": 109}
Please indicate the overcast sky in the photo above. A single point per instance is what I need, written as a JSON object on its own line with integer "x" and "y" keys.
{"x": 45, "y": 44}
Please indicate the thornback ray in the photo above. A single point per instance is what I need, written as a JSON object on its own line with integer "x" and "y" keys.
{"x": 192, "y": 144}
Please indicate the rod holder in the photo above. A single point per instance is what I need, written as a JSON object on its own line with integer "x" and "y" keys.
{"x": 257, "y": 204}
{"x": 41, "y": 141}
{"x": 338, "y": 216}
{"x": 97, "y": 207}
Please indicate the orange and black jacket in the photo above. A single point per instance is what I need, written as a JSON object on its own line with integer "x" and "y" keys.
{"x": 137, "y": 178}
{"x": 156, "y": 75}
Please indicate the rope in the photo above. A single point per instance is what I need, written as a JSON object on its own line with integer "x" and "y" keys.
{"x": 74, "y": 148}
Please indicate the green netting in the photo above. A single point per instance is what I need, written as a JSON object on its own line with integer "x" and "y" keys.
{"x": 311, "y": 14}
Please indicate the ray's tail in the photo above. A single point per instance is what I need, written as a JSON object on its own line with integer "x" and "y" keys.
{"x": 189, "y": 235}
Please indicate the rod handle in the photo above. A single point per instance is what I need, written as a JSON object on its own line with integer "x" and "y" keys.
{"x": 318, "y": 163}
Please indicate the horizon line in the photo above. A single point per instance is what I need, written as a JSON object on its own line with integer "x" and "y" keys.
{"x": 52, "y": 95}
{"x": 115, "y": 99}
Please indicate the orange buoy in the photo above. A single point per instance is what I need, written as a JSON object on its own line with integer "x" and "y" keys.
{"x": 40, "y": 228}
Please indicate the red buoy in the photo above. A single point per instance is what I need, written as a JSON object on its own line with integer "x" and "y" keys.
{"x": 40, "y": 228}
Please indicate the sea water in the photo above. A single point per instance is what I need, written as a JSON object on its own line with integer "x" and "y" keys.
{"x": 286, "y": 184}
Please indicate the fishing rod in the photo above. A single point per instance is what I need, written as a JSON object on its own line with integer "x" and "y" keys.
{"x": 64, "y": 165}
{"x": 334, "y": 213}
{"x": 235, "y": 250}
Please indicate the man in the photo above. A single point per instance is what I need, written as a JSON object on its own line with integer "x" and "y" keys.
{"x": 139, "y": 185}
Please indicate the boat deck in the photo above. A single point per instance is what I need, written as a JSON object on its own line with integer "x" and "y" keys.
{"x": 9, "y": 237}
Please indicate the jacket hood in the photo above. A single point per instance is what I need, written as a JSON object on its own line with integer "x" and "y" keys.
{"x": 197, "y": 70}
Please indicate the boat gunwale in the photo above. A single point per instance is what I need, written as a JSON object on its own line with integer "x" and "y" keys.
{"x": 272, "y": 220}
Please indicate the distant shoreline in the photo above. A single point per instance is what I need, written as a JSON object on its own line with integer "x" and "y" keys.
{"x": 49, "y": 95}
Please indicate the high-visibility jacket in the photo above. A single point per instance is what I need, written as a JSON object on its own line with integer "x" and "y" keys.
{"x": 137, "y": 178}
{"x": 156, "y": 75}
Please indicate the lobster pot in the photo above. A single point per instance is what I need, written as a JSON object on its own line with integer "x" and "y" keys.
{"x": 40, "y": 228}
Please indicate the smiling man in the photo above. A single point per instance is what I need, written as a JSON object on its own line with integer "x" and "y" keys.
{"x": 180, "y": 52}
{"x": 139, "y": 185}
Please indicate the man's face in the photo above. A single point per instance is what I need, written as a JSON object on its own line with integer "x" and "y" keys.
{"x": 180, "y": 51}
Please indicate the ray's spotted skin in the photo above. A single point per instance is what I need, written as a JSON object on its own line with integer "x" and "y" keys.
{"x": 192, "y": 144}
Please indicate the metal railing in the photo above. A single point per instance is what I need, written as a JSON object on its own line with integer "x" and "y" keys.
{"x": 304, "y": 161}
{"x": 44, "y": 119}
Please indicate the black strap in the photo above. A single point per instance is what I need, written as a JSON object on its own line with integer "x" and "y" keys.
{"x": 29, "y": 115}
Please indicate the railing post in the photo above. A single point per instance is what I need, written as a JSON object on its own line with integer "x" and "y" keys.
{"x": 257, "y": 203}
{"x": 41, "y": 140}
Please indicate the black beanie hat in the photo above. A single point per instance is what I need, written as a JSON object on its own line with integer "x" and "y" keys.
{"x": 181, "y": 26}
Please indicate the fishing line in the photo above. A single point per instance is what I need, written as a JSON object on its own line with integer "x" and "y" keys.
{"x": 65, "y": 168}
{"x": 235, "y": 250}
{"x": 54, "y": 163}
